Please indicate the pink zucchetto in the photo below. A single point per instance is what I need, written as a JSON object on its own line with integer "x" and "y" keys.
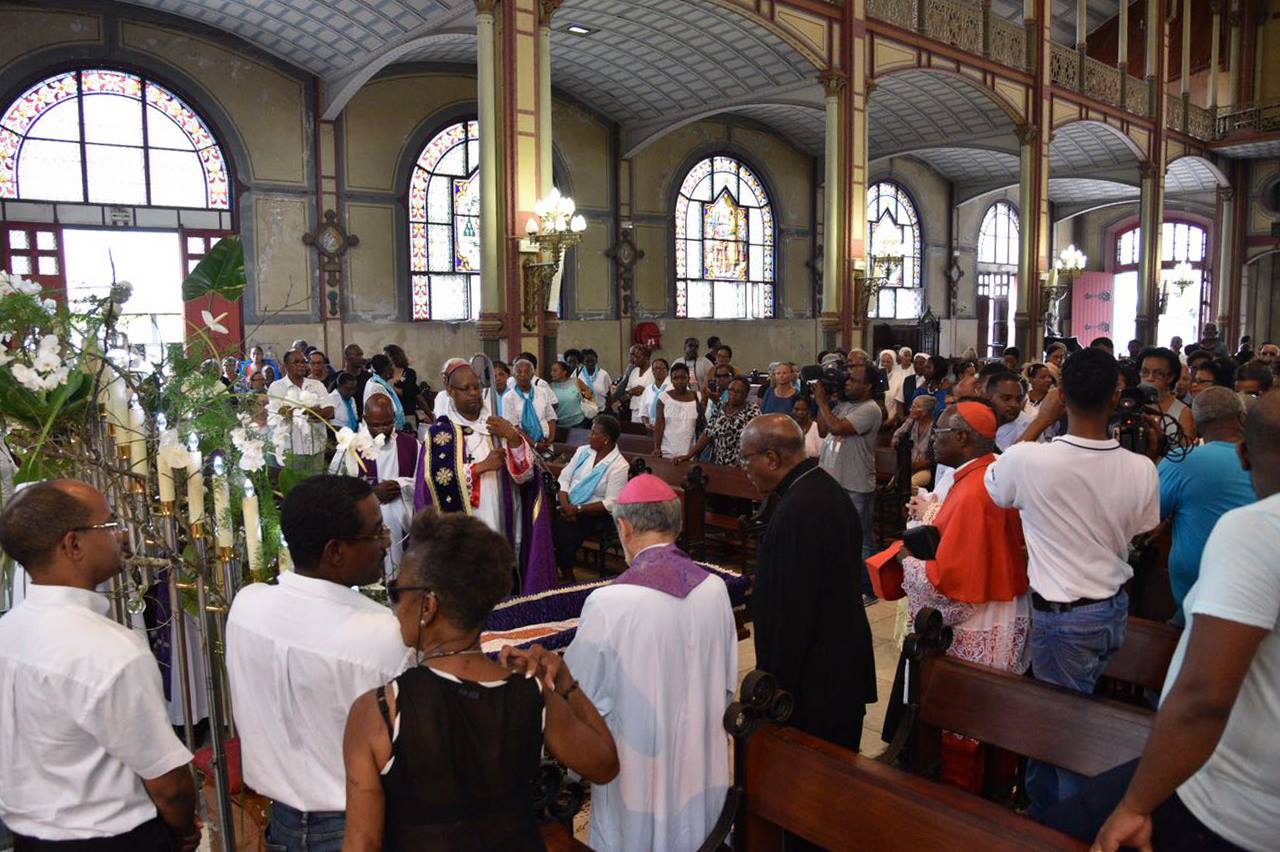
{"x": 646, "y": 488}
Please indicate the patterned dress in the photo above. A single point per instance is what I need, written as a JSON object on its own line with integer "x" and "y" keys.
{"x": 726, "y": 433}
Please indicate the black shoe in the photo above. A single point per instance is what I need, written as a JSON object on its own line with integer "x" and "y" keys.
{"x": 868, "y": 600}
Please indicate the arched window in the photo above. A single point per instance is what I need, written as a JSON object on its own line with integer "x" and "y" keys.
{"x": 98, "y": 136}
{"x": 444, "y": 226}
{"x": 892, "y": 220}
{"x": 724, "y": 243}
{"x": 997, "y": 276}
{"x": 1182, "y": 294}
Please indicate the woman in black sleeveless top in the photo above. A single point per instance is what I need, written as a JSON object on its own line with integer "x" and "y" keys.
{"x": 446, "y": 755}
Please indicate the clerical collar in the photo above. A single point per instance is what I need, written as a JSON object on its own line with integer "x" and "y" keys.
{"x": 805, "y": 467}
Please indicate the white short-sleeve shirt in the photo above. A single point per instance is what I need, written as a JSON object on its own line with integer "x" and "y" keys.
{"x": 610, "y": 484}
{"x": 1081, "y": 500}
{"x": 544, "y": 406}
{"x": 307, "y": 436}
{"x": 298, "y": 655}
{"x": 83, "y": 721}
{"x": 1236, "y": 792}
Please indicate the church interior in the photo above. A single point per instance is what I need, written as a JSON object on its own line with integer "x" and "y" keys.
{"x": 789, "y": 177}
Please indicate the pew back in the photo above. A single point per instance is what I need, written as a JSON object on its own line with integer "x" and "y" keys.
{"x": 1144, "y": 657}
{"x": 841, "y": 800}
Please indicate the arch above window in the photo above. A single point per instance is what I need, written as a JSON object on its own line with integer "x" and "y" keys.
{"x": 104, "y": 136}
{"x": 892, "y": 218}
{"x": 724, "y": 242}
{"x": 998, "y": 236}
{"x": 444, "y": 226}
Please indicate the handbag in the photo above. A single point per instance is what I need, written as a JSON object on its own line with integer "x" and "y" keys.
{"x": 590, "y": 408}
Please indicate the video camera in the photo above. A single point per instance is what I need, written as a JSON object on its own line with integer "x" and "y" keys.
{"x": 1132, "y": 429}
{"x": 832, "y": 375}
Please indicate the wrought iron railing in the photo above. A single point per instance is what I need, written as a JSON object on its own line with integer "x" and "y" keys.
{"x": 1257, "y": 118}
{"x": 956, "y": 22}
{"x": 1007, "y": 42}
{"x": 1102, "y": 81}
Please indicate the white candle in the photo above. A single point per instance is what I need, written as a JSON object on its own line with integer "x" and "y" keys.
{"x": 164, "y": 473}
{"x": 137, "y": 441}
{"x": 118, "y": 407}
{"x": 252, "y": 532}
{"x": 222, "y": 504}
{"x": 195, "y": 482}
{"x": 286, "y": 561}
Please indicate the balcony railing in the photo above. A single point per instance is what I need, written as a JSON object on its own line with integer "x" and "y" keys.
{"x": 953, "y": 22}
{"x": 1259, "y": 118}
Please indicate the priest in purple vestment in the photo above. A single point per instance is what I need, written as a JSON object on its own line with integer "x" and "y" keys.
{"x": 657, "y": 653}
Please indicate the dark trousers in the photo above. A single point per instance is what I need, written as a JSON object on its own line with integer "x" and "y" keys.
{"x": 1173, "y": 827}
{"x": 570, "y": 534}
{"x": 152, "y": 836}
{"x": 292, "y": 830}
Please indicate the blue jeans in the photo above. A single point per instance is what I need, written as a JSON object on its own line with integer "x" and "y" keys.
{"x": 1071, "y": 649}
{"x": 864, "y": 502}
{"x": 292, "y": 830}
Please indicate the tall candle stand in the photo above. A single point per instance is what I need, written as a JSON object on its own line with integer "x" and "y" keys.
{"x": 178, "y": 616}
{"x": 214, "y": 685}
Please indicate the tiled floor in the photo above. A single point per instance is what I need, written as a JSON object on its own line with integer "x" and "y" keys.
{"x": 881, "y": 616}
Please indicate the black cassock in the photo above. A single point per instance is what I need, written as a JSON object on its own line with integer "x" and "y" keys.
{"x": 811, "y": 630}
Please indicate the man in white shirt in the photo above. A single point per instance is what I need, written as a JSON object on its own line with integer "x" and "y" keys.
{"x": 1082, "y": 499}
{"x": 656, "y": 651}
{"x": 299, "y": 653}
{"x": 304, "y": 402}
{"x": 86, "y": 750}
{"x": 699, "y": 368}
{"x": 388, "y": 466}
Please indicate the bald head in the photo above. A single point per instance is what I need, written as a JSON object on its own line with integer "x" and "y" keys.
{"x": 776, "y": 432}
{"x": 1262, "y": 432}
{"x": 1217, "y": 407}
{"x": 39, "y": 517}
{"x": 380, "y": 415}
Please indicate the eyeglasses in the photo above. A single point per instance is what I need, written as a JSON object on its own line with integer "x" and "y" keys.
{"x": 105, "y": 525}
{"x": 394, "y": 590}
{"x": 945, "y": 430}
{"x": 383, "y": 533}
{"x": 745, "y": 459}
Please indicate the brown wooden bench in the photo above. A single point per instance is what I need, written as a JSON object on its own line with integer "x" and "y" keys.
{"x": 1084, "y": 734}
{"x": 1143, "y": 660}
{"x": 786, "y": 780}
{"x": 629, "y": 443}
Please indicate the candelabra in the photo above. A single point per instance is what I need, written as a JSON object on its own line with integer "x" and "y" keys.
{"x": 1057, "y": 284}
{"x": 554, "y": 229}
{"x": 1183, "y": 277}
{"x": 882, "y": 266}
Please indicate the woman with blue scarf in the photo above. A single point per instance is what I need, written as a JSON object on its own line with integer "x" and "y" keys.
{"x": 380, "y": 382}
{"x": 589, "y": 485}
{"x": 531, "y": 407}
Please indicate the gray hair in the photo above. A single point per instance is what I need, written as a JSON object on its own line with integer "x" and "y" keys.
{"x": 666, "y": 517}
{"x": 1217, "y": 405}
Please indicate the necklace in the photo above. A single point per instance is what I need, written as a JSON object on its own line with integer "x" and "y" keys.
{"x": 435, "y": 655}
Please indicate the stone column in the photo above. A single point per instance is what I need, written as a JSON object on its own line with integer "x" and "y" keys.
{"x": 1184, "y": 87}
{"x": 1122, "y": 40}
{"x": 1151, "y": 219}
{"x": 1033, "y": 183}
{"x": 1236, "y": 20}
{"x": 492, "y": 293}
{"x": 1215, "y": 55}
{"x": 1082, "y": 38}
{"x": 853, "y": 169}
{"x": 834, "y": 84}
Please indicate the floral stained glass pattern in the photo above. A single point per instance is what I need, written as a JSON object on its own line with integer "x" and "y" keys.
{"x": 891, "y": 213}
{"x": 724, "y": 237}
{"x": 444, "y": 226}
{"x": 109, "y": 137}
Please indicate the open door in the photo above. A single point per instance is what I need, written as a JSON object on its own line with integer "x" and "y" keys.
{"x": 195, "y": 245}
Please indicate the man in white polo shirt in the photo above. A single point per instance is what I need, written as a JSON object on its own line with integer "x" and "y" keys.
{"x": 88, "y": 759}
{"x": 1082, "y": 498}
{"x": 299, "y": 653}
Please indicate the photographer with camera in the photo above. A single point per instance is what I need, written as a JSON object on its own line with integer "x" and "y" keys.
{"x": 849, "y": 432}
{"x": 1082, "y": 498}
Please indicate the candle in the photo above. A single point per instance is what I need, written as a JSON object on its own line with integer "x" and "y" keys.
{"x": 222, "y": 504}
{"x": 286, "y": 561}
{"x": 195, "y": 483}
{"x": 252, "y": 532}
{"x": 164, "y": 473}
{"x": 137, "y": 441}
{"x": 118, "y": 407}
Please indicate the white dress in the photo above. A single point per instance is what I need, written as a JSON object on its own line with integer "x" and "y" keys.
{"x": 680, "y": 420}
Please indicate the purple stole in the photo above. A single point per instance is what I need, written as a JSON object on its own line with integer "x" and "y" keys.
{"x": 666, "y": 569}
{"x": 441, "y": 481}
{"x": 407, "y": 456}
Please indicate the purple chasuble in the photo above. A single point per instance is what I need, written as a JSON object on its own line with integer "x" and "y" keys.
{"x": 665, "y": 568}
{"x": 406, "y": 454}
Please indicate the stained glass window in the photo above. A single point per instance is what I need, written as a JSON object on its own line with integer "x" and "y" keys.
{"x": 889, "y": 207}
{"x": 724, "y": 243}
{"x": 109, "y": 137}
{"x": 444, "y": 226}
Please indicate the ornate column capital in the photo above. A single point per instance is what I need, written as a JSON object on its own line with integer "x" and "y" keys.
{"x": 485, "y": 7}
{"x": 833, "y": 82}
{"x": 1147, "y": 169}
{"x": 490, "y": 325}
{"x": 547, "y": 8}
{"x": 1027, "y": 133}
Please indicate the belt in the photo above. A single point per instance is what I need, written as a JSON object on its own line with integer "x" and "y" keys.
{"x": 1040, "y": 604}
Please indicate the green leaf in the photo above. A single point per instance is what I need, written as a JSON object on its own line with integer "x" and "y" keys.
{"x": 221, "y": 271}
{"x": 37, "y": 468}
{"x": 288, "y": 479}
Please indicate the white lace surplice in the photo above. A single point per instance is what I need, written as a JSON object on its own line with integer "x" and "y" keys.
{"x": 990, "y": 634}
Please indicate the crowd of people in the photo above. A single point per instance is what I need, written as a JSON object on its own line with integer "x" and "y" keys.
{"x": 388, "y": 727}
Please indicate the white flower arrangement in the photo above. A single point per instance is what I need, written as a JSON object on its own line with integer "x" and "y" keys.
{"x": 172, "y": 450}
{"x": 358, "y": 445}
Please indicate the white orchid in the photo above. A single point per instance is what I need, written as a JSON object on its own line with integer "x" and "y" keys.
{"x": 252, "y": 448}
{"x": 213, "y": 323}
{"x": 27, "y": 377}
{"x": 173, "y": 452}
{"x": 50, "y": 306}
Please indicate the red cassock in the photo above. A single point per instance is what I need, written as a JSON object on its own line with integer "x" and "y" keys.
{"x": 982, "y": 555}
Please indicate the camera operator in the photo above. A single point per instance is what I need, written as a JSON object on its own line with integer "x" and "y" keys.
{"x": 849, "y": 448}
{"x": 1161, "y": 368}
{"x": 1082, "y": 499}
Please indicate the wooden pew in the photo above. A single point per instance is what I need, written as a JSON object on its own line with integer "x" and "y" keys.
{"x": 1143, "y": 660}
{"x": 713, "y": 479}
{"x": 1084, "y": 734}
{"x": 786, "y": 780}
